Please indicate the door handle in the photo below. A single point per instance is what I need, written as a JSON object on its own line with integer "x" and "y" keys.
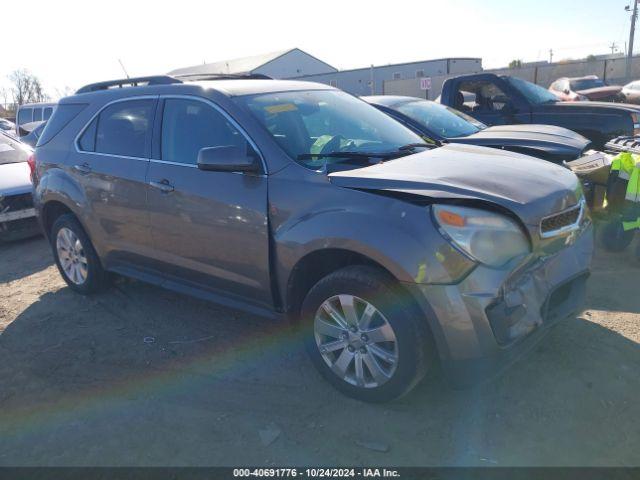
{"x": 163, "y": 185}
{"x": 84, "y": 168}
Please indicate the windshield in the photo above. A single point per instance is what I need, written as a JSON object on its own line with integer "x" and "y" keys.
{"x": 532, "y": 92}
{"x": 439, "y": 119}
{"x": 586, "y": 83}
{"x": 307, "y": 124}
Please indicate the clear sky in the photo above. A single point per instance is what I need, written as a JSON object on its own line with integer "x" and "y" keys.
{"x": 68, "y": 43}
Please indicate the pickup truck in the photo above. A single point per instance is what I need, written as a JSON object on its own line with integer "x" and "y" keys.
{"x": 502, "y": 100}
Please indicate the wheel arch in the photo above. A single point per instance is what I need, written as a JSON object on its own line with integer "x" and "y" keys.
{"x": 51, "y": 211}
{"x": 58, "y": 193}
{"x": 315, "y": 265}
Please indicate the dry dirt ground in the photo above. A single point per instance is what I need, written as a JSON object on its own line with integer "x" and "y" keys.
{"x": 141, "y": 376}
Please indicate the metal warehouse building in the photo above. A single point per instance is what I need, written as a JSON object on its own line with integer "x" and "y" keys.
{"x": 371, "y": 80}
{"x": 296, "y": 63}
{"x": 283, "y": 64}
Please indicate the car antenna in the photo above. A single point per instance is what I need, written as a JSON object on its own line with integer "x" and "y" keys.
{"x": 123, "y": 69}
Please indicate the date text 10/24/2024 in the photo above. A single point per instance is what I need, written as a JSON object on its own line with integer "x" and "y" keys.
{"x": 315, "y": 473}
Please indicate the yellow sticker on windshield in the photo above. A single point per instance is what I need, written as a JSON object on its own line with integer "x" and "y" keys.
{"x": 284, "y": 107}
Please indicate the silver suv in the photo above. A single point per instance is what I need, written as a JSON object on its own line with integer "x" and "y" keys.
{"x": 296, "y": 200}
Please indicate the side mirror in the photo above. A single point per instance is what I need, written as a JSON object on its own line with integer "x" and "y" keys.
{"x": 227, "y": 158}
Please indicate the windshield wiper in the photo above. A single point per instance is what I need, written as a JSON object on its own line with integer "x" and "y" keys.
{"x": 389, "y": 154}
{"x": 413, "y": 146}
{"x": 306, "y": 156}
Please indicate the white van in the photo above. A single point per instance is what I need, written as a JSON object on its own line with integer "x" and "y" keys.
{"x": 32, "y": 112}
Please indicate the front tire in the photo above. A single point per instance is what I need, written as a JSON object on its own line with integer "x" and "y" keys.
{"x": 614, "y": 238}
{"x": 365, "y": 336}
{"x": 75, "y": 256}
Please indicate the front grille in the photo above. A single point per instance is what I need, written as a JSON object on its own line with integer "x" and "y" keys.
{"x": 560, "y": 222}
{"x": 623, "y": 144}
{"x": 16, "y": 202}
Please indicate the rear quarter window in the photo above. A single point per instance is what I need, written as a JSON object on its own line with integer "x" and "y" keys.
{"x": 63, "y": 114}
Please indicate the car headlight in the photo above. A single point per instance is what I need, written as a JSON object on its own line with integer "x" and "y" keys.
{"x": 487, "y": 237}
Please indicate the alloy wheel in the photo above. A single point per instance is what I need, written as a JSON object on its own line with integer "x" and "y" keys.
{"x": 72, "y": 256}
{"x": 356, "y": 341}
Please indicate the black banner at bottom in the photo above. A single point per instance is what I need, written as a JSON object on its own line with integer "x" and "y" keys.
{"x": 404, "y": 473}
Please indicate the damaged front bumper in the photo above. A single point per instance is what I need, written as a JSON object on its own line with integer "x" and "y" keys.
{"x": 17, "y": 217}
{"x": 490, "y": 318}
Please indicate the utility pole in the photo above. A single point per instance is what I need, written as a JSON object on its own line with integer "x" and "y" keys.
{"x": 631, "y": 33}
{"x": 551, "y": 55}
{"x": 613, "y": 47}
{"x": 371, "y": 84}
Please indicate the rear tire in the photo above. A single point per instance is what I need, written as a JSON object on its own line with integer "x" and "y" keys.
{"x": 613, "y": 237}
{"x": 75, "y": 256}
{"x": 396, "y": 350}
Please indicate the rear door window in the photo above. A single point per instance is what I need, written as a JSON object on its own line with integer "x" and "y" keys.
{"x": 47, "y": 113}
{"x": 123, "y": 128}
{"x": 37, "y": 114}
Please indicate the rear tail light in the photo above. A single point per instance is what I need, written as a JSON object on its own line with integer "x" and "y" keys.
{"x": 32, "y": 167}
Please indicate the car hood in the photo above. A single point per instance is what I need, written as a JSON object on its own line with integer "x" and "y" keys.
{"x": 15, "y": 178}
{"x": 549, "y": 139}
{"x": 528, "y": 187}
{"x": 587, "y": 107}
{"x": 600, "y": 92}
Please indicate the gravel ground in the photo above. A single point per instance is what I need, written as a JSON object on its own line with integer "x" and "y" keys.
{"x": 141, "y": 376}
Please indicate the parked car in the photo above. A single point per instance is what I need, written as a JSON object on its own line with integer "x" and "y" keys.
{"x": 631, "y": 92}
{"x": 501, "y": 99}
{"x": 7, "y": 126}
{"x": 32, "y": 112}
{"x": 585, "y": 88}
{"x": 35, "y": 130}
{"x": 17, "y": 215}
{"x": 296, "y": 200}
{"x": 438, "y": 123}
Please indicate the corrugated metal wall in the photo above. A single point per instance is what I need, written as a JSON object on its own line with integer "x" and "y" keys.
{"x": 611, "y": 70}
{"x": 358, "y": 82}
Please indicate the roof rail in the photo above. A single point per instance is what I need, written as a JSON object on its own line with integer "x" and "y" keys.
{"x": 130, "y": 82}
{"x": 194, "y": 77}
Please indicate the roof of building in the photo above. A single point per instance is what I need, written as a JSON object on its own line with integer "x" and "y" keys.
{"x": 239, "y": 65}
{"x": 390, "y": 65}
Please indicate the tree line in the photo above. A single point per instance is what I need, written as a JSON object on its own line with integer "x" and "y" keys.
{"x": 24, "y": 87}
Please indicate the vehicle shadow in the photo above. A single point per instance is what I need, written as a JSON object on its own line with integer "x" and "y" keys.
{"x": 19, "y": 265}
{"x": 141, "y": 376}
